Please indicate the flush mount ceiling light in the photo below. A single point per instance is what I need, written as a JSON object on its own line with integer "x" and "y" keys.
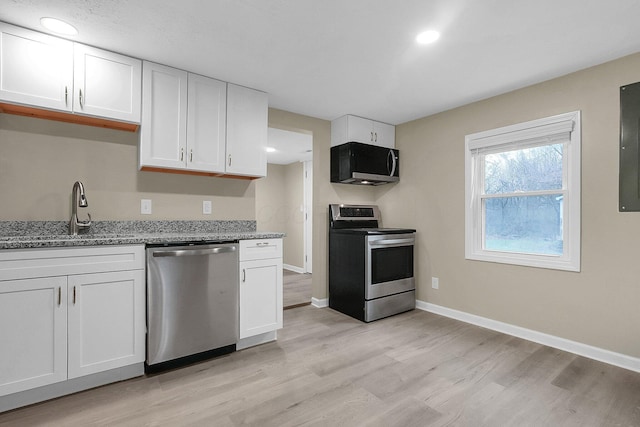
{"x": 428, "y": 37}
{"x": 59, "y": 27}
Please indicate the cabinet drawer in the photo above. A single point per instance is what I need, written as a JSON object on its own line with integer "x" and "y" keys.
{"x": 260, "y": 249}
{"x": 30, "y": 263}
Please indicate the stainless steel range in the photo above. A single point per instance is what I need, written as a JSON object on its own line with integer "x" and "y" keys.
{"x": 370, "y": 268}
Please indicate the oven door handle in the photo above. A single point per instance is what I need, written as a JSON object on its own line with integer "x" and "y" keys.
{"x": 391, "y": 242}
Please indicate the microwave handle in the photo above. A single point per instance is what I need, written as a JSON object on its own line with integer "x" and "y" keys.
{"x": 393, "y": 163}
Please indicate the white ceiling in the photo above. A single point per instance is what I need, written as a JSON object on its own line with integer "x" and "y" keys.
{"x": 289, "y": 147}
{"x": 326, "y": 58}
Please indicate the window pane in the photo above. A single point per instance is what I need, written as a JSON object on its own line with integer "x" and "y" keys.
{"x": 530, "y": 224}
{"x": 529, "y": 169}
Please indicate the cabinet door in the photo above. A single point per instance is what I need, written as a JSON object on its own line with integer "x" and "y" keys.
{"x": 359, "y": 130}
{"x": 384, "y": 135}
{"x": 106, "y": 321}
{"x": 206, "y": 124}
{"x": 260, "y": 296}
{"x": 247, "y": 112}
{"x": 163, "y": 130}
{"x": 35, "y": 69}
{"x": 33, "y": 333}
{"x": 106, "y": 84}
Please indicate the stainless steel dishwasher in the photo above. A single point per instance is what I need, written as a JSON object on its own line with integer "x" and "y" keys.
{"x": 192, "y": 303}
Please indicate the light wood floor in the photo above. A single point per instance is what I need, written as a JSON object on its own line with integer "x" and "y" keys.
{"x": 296, "y": 289}
{"x": 326, "y": 369}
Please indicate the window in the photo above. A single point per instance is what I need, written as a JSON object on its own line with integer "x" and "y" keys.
{"x": 523, "y": 194}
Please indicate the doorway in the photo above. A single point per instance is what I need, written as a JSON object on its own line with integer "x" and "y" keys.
{"x": 284, "y": 204}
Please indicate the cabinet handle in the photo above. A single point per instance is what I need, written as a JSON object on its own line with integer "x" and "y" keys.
{"x": 371, "y": 136}
{"x": 244, "y": 275}
{"x": 181, "y": 154}
{"x": 59, "y": 295}
{"x": 66, "y": 96}
{"x": 74, "y": 295}
{"x": 229, "y": 159}
{"x": 376, "y": 138}
{"x": 81, "y": 106}
{"x": 191, "y": 155}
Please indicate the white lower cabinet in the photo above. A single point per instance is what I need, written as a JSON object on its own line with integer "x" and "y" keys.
{"x": 260, "y": 287}
{"x": 105, "y": 313}
{"x": 69, "y": 313}
{"x": 33, "y": 333}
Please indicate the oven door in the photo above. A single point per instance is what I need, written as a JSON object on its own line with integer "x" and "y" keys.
{"x": 389, "y": 264}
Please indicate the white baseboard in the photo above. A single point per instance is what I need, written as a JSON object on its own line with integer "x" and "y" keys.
{"x": 293, "y": 268}
{"x": 596, "y": 353}
{"x": 320, "y": 303}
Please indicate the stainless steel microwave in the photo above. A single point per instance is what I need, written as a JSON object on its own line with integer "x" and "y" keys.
{"x": 357, "y": 163}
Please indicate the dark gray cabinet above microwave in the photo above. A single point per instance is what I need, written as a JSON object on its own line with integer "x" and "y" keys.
{"x": 629, "y": 188}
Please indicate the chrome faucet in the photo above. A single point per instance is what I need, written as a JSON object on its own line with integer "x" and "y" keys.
{"x": 74, "y": 224}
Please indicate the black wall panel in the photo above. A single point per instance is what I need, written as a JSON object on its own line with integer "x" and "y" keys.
{"x": 629, "y": 199}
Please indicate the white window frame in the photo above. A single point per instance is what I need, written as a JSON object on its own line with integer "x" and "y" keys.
{"x": 563, "y": 127}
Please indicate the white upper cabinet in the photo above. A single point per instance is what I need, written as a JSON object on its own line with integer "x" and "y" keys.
{"x": 356, "y": 129}
{"x": 247, "y": 117}
{"x": 206, "y": 123}
{"x": 42, "y": 71}
{"x": 163, "y": 131}
{"x": 183, "y": 120}
{"x": 198, "y": 124}
{"x": 106, "y": 84}
{"x": 35, "y": 69}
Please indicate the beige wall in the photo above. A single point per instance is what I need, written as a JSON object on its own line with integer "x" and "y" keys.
{"x": 270, "y": 200}
{"x": 600, "y": 305}
{"x": 294, "y": 193}
{"x": 41, "y": 159}
{"x": 324, "y": 192}
{"x": 278, "y": 200}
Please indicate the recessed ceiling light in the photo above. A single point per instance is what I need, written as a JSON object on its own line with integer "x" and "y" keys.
{"x": 270, "y": 149}
{"x": 58, "y": 26}
{"x": 427, "y": 37}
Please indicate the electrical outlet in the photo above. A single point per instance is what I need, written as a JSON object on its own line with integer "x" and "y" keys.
{"x": 206, "y": 207}
{"x": 435, "y": 283}
{"x": 145, "y": 206}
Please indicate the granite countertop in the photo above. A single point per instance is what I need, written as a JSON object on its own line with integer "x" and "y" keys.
{"x": 44, "y": 234}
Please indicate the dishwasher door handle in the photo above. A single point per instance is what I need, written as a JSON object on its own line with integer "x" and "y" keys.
{"x": 193, "y": 252}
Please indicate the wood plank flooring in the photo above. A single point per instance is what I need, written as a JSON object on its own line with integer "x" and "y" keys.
{"x": 296, "y": 289}
{"x": 326, "y": 369}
